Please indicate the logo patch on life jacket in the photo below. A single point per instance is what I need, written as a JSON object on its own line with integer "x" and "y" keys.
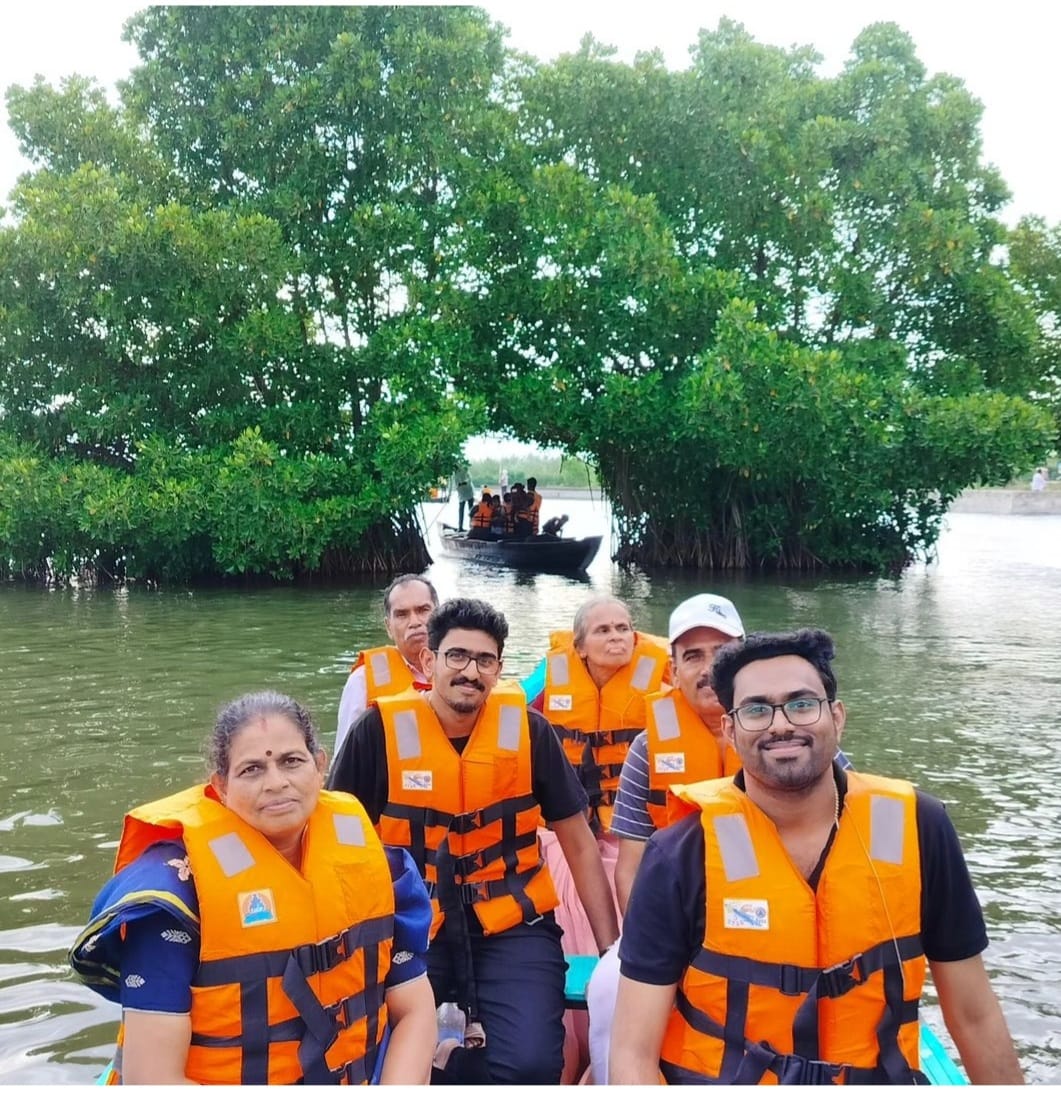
{"x": 417, "y": 780}
{"x": 670, "y": 762}
{"x": 256, "y": 908}
{"x": 746, "y": 913}
{"x": 560, "y": 702}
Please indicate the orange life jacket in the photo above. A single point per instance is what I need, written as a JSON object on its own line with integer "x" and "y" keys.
{"x": 482, "y": 516}
{"x": 596, "y": 726}
{"x": 682, "y": 749}
{"x": 796, "y": 986}
{"x": 386, "y": 673}
{"x": 290, "y": 984}
{"x": 535, "y": 509}
{"x": 469, "y": 819}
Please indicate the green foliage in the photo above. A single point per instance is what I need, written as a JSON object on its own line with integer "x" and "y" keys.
{"x": 549, "y": 471}
{"x": 249, "y": 314}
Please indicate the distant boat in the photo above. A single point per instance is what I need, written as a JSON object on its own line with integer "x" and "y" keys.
{"x": 538, "y": 553}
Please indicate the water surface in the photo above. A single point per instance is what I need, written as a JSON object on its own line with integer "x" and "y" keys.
{"x": 951, "y": 675}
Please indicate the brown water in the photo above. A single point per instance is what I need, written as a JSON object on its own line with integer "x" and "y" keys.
{"x": 951, "y": 674}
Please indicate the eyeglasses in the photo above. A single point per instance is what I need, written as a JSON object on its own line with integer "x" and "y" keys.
{"x": 457, "y": 658}
{"x": 800, "y": 711}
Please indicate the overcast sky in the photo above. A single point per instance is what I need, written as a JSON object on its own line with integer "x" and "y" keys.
{"x": 1006, "y": 53}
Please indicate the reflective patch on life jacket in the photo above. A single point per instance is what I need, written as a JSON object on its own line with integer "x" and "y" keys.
{"x": 666, "y": 716}
{"x": 670, "y": 762}
{"x": 643, "y": 671}
{"x": 559, "y": 671}
{"x": 381, "y": 668}
{"x": 407, "y": 734}
{"x": 349, "y": 830}
{"x": 231, "y": 853}
{"x": 735, "y": 843}
{"x": 887, "y": 821}
{"x": 509, "y": 724}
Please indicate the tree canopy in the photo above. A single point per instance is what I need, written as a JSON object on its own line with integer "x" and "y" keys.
{"x": 249, "y": 313}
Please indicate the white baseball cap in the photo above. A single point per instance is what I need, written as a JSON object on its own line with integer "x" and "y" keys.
{"x": 705, "y": 611}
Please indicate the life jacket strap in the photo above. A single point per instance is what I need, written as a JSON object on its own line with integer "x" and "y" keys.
{"x": 310, "y": 958}
{"x": 795, "y": 981}
{"x": 596, "y": 739}
{"x": 470, "y": 893}
{"x": 472, "y": 862}
{"x": 495, "y": 812}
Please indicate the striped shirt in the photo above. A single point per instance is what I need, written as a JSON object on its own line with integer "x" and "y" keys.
{"x": 630, "y": 817}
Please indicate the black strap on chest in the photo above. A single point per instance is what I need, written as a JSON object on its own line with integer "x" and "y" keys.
{"x": 745, "y": 1062}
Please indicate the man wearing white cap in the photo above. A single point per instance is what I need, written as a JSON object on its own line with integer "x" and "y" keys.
{"x": 682, "y": 743}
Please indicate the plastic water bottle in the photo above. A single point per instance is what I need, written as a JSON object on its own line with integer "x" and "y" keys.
{"x": 451, "y": 1022}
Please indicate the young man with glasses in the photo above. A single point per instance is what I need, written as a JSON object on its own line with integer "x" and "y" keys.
{"x": 462, "y": 776}
{"x": 810, "y": 901}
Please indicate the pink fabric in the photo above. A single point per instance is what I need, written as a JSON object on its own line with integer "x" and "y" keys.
{"x": 578, "y": 939}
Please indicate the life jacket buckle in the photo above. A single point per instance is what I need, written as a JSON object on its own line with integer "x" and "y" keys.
{"x": 792, "y": 1069}
{"x": 322, "y": 957}
{"x": 791, "y": 982}
{"x": 837, "y": 980}
{"x": 471, "y": 862}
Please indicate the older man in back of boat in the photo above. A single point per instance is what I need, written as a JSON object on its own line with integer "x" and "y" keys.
{"x": 384, "y": 671}
{"x": 782, "y": 929}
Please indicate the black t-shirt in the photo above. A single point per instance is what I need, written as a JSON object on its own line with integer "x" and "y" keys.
{"x": 361, "y": 768}
{"x": 664, "y": 923}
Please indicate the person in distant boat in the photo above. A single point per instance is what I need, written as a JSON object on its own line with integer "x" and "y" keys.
{"x": 463, "y": 776}
{"x": 506, "y": 509}
{"x": 380, "y": 671}
{"x": 522, "y": 524}
{"x": 482, "y": 517}
{"x": 497, "y": 517}
{"x": 535, "y": 506}
{"x": 256, "y": 931}
{"x": 465, "y": 495}
{"x": 780, "y": 932}
{"x": 553, "y": 526}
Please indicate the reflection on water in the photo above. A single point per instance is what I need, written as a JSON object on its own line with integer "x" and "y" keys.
{"x": 951, "y": 676}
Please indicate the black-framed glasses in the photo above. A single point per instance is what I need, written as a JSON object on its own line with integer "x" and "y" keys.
{"x": 457, "y": 658}
{"x": 800, "y": 711}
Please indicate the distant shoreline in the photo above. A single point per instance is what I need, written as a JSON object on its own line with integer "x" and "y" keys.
{"x": 976, "y": 500}
{"x": 1008, "y": 500}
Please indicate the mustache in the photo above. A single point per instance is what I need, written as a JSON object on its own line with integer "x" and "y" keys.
{"x": 469, "y": 681}
{"x": 774, "y": 739}
{"x": 704, "y": 680}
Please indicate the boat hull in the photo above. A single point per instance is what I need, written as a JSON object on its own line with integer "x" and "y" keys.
{"x": 554, "y": 554}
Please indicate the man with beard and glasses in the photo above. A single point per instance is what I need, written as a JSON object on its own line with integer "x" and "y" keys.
{"x": 683, "y": 743}
{"x": 381, "y": 671}
{"x": 462, "y": 776}
{"x": 781, "y": 931}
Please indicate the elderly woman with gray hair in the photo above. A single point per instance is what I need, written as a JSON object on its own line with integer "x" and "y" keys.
{"x": 256, "y": 931}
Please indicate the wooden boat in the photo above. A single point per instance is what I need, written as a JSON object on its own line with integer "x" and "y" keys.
{"x": 537, "y": 553}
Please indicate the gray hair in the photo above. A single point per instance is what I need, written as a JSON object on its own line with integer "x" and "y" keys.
{"x": 235, "y": 715}
{"x": 580, "y": 623}
{"x": 403, "y": 580}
